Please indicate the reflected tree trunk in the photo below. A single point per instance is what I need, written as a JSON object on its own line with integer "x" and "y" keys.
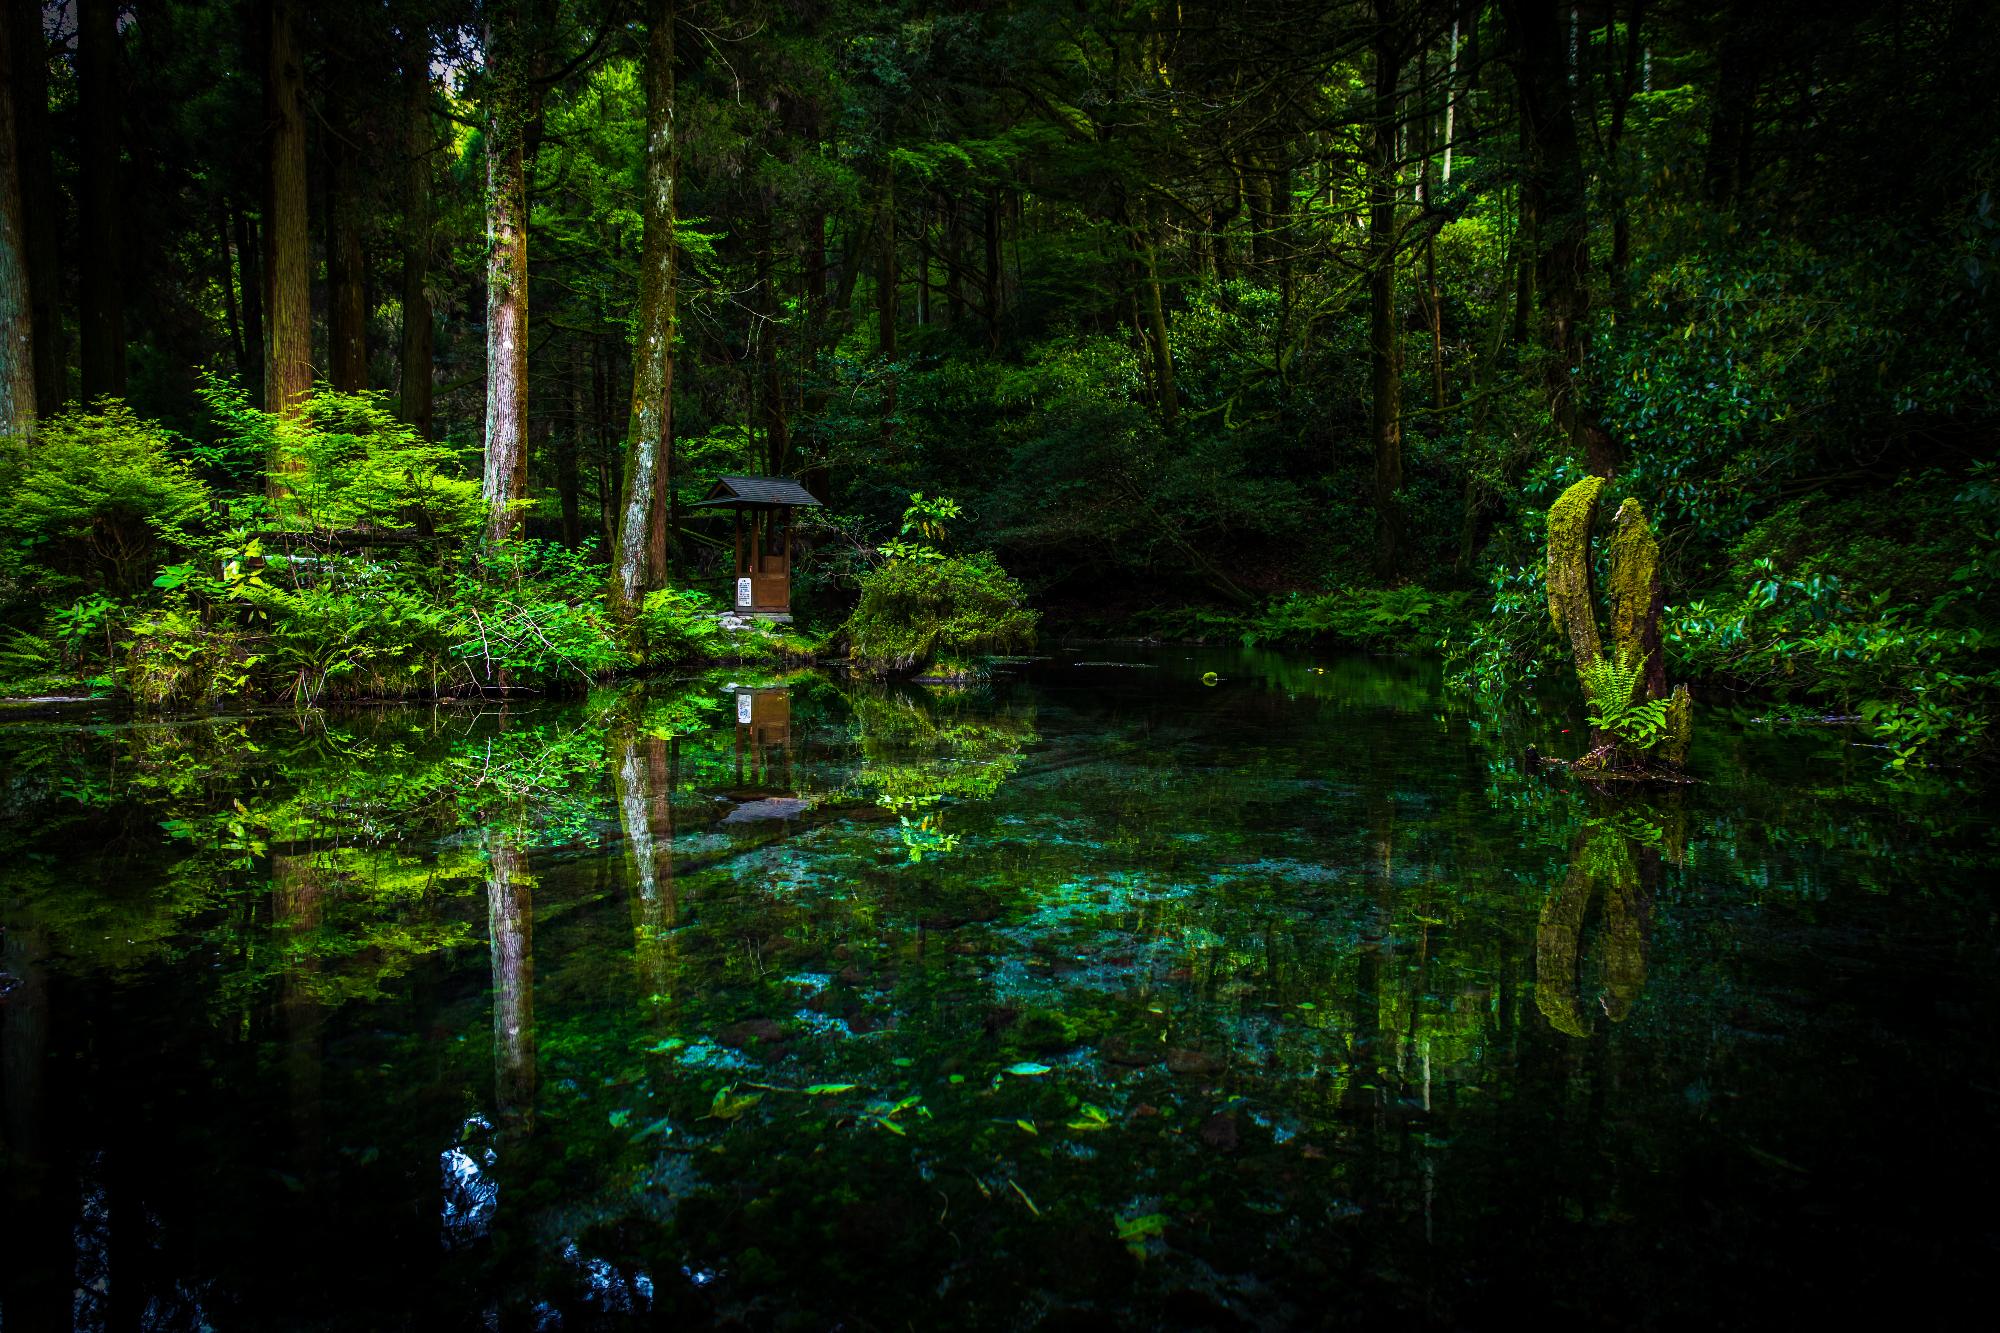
{"x": 35, "y": 1278}
{"x": 1602, "y": 865}
{"x": 510, "y": 928}
{"x": 297, "y": 909}
{"x": 645, "y": 777}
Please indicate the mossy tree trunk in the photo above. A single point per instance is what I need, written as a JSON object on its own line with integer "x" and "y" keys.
{"x": 642, "y": 532}
{"x": 17, "y": 343}
{"x": 504, "y": 478}
{"x": 1636, "y": 600}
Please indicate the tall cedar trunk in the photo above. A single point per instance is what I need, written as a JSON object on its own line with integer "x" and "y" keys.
{"x": 225, "y": 255}
{"x": 1163, "y": 355}
{"x": 991, "y": 275}
{"x": 923, "y": 267}
{"x": 250, "y": 284}
{"x": 818, "y": 320}
{"x": 954, "y": 271}
{"x": 1433, "y": 300}
{"x": 777, "y": 423}
{"x": 1553, "y": 193}
{"x": 568, "y": 452}
{"x": 1621, "y": 174}
{"x": 1730, "y": 124}
{"x": 1525, "y": 240}
{"x": 419, "y": 141}
{"x": 17, "y": 340}
{"x": 885, "y": 295}
{"x": 99, "y": 96}
{"x": 504, "y": 481}
{"x": 346, "y": 262}
{"x": 287, "y": 275}
{"x": 40, "y": 205}
{"x": 607, "y": 476}
{"x": 642, "y": 530}
{"x": 1385, "y": 344}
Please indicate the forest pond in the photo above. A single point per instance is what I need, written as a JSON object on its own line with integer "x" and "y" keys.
{"x": 1100, "y": 995}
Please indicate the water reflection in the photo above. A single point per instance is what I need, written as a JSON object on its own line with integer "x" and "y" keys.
{"x": 911, "y": 1005}
{"x": 1602, "y": 871}
{"x": 510, "y": 933}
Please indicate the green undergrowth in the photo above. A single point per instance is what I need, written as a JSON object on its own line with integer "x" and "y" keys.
{"x": 134, "y": 564}
{"x": 1873, "y": 607}
{"x": 1384, "y": 620}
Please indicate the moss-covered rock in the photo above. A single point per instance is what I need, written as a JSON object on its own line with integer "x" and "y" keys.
{"x": 914, "y": 612}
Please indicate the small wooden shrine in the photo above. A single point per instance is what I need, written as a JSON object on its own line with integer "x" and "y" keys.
{"x": 763, "y": 508}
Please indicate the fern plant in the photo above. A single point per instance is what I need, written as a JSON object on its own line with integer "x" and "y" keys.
{"x": 1613, "y": 685}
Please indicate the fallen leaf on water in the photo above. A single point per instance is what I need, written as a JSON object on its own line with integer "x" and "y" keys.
{"x": 1091, "y": 1117}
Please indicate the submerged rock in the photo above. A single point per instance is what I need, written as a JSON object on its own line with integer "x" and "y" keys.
{"x": 1198, "y": 1063}
{"x": 770, "y": 807}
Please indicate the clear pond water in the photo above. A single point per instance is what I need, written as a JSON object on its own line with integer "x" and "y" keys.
{"x": 1096, "y": 997}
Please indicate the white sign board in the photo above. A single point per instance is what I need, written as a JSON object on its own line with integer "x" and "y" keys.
{"x": 743, "y": 592}
{"x": 742, "y": 708}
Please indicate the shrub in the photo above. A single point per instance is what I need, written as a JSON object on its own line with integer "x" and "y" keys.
{"x": 680, "y": 626}
{"x": 911, "y": 612}
{"x": 356, "y": 467}
{"x": 1381, "y": 619}
{"x": 533, "y": 611}
{"x": 177, "y": 657}
{"x": 93, "y": 497}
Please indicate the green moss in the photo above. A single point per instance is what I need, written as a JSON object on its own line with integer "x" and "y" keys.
{"x": 1570, "y": 519}
{"x": 1635, "y": 582}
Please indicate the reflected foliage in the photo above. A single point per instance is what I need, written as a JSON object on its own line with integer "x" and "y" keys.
{"x": 1188, "y": 982}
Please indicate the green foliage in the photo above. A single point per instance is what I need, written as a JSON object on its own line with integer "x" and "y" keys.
{"x": 533, "y": 611}
{"x": 1880, "y": 615}
{"x": 1613, "y": 688}
{"x": 1377, "y": 619}
{"x": 680, "y": 626}
{"x": 354, "y": 467}
{"x": 92, "y": 498}
{"x": 913, "y": 611}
